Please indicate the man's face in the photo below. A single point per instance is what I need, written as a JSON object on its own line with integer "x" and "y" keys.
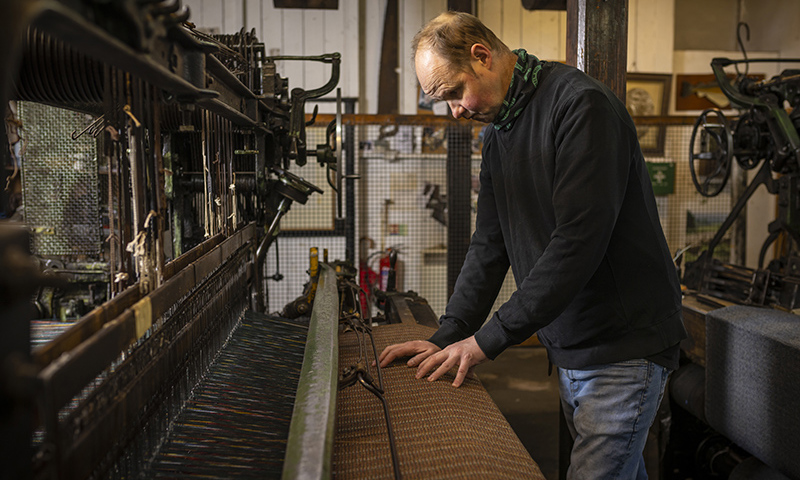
{"x": 476, "y": 95}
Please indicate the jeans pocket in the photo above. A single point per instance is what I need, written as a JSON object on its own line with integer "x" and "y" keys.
{"x": 636, "y": 362}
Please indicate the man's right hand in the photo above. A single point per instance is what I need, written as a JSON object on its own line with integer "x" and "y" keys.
{"x": 418, "y": 350}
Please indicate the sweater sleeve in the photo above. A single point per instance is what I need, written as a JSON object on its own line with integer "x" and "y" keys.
{"x": 482, "y": 274}
{"x": 592, "y": 160}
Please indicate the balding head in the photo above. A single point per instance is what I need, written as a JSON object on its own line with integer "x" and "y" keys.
{"x": 451, "y": 35}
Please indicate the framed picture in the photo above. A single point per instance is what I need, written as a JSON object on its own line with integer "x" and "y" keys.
{"x": 699, "y": 92}
{"x": 647, "y": 95}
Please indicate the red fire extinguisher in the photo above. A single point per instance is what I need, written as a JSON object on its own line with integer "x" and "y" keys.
{"x": 384, "y": 267}
{"x": 367, "y": 277}
{"x": 390, "y": 271}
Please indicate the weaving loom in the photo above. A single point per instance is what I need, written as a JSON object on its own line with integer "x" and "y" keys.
{"x": 134, "y": 339}
{"x": 210, "y": 391}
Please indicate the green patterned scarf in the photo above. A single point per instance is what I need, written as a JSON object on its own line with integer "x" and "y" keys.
{"x": 523, "y": 84}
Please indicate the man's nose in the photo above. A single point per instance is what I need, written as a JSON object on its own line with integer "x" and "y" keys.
{"x": 456, "y": 109}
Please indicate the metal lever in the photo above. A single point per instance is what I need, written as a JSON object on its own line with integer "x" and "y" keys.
{"x": 297, "y": 123}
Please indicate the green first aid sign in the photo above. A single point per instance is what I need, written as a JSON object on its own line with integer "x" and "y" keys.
{"x": 662, "y": 176}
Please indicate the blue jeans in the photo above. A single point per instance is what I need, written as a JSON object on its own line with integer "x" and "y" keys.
{"x": 609, "y": 410}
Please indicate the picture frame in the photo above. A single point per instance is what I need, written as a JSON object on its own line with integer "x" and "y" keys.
{"x": 647, "y": 95}
{"x": 699, "y": 92}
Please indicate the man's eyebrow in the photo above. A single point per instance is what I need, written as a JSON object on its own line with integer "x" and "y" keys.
{"x": 440, "y": 89}
{"x": 436, "y": 86}
{"x": 434, "y": 97}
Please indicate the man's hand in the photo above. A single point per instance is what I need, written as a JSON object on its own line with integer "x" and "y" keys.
{"x": 418, "y": 350}
{"x": 466, "y": 354}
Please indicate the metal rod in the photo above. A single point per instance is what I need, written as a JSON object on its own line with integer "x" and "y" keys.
{"x": 309, "y": 448}
{"x": 392, "y": 446}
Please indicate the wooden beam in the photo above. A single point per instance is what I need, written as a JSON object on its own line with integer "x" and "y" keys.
{"x": 544, "y": 4}
{"x": 597, "y": 40}
{"x": 461, "y": 6}
{"x": 388, "y": 79}
{"x": 320, "y": 4}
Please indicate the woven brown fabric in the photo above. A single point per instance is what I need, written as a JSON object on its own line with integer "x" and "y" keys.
{"x": 441, "y": 432}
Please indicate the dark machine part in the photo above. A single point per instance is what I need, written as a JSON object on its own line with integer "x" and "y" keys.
{"x": 408, "y": 307}
{"x": 286, "y": 189}
{"x": 731, "y": 408}
{"x": 155, "y": 166}
{"x": 713, "y": 161}
{"x": 696, "y": 450}
{"x": 765, "y": 133}
{"x": 437, "y": 202}
{"x": 331, "y": 157}
{"x": 403, "y": 307}
{"x": 20, "y": 277}
{"x": 295, "y": 146}
{"x": 687, "y": 389}
{"x": 199, "y": 126}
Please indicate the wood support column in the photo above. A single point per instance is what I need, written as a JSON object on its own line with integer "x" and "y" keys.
{"x": 597, "y": 40}
{"x": 597, "y": 43}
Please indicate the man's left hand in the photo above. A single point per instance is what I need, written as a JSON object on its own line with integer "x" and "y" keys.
{"x": 466, "y": 354}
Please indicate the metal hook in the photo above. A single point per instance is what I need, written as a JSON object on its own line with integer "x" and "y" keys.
{"x": 95, "y": 127}
{"x": 741, "y": 47}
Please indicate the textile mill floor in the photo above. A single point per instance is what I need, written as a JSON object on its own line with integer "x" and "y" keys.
{"x": 518, "y": 383}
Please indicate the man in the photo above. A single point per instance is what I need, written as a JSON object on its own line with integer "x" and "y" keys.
{"x": 566, "y": 201}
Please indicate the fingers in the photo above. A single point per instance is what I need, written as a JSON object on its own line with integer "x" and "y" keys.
{"x": 416, "y": 360}
{"x": 463, "y": 371}
{"x": 392, "y": 352}
{"x": 428, "y": 358}
{"x": 417, "y": 349}
{"x": 431, "y": 362}
{"x": 440, "y": 359}
{"x": 466, "y": 354}
{"x": 464, "y": 362}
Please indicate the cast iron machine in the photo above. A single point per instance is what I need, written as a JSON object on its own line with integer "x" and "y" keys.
{"x": 766, "y": 134}
{"x": 147, "y": 225}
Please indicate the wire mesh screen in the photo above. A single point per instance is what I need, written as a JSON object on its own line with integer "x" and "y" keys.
{"x": 402, "y": 205}
{"x": 60, "y": 182}
{"x": 406, "y": 202}
{"x": 689, "y": 220}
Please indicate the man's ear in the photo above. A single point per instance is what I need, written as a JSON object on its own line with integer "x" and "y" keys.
{"x": 481, "y": 53}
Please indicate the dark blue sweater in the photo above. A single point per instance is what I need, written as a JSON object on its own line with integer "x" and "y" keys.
{"x": 566, "y": 201}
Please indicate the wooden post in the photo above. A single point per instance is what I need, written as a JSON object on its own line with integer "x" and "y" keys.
{"x": 388, "y": 96}
{"x": 597, "y": 43}
{"x": 597, "y": 40}
{"x": 467, "y": 6}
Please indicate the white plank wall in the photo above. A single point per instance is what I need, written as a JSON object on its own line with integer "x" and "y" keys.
{"x": 651, "y": 35}
{"x": 375, "y": 10}
{"x": 542, "y": 33}
{"x": 413, "y": 14}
